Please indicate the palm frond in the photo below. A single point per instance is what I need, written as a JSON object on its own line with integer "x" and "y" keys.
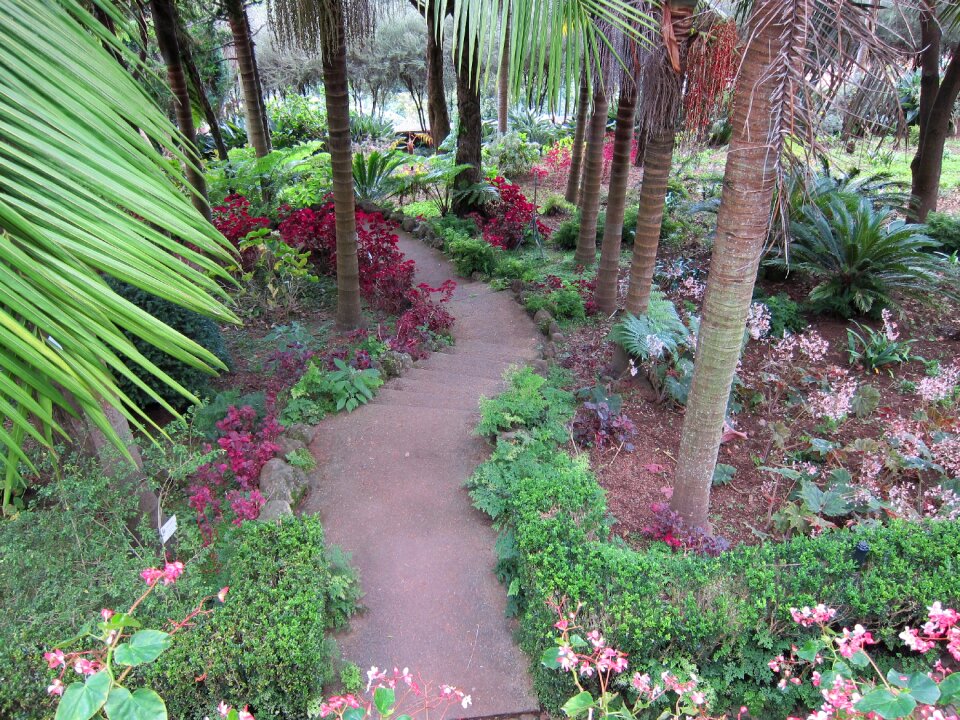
{"x": 83, "y": 195}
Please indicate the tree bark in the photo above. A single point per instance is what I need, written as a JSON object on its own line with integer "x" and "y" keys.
{"x": 334, "y": 52}
{"x": 469, "y": 130}
{"x": 165, "y": 27}
{"x": 658, "y": 160}
{"x": 186, "y": 53}
{"x": 608, "y": 274}
{"x": 254, "y": 109}
{"x": 576, "y": 153}
{"x": 936, "y": 109}
{"x": 742, "y": 225}
{"x": 503, "y": 80}
{"x": 590, "y": 202}
{"x": 437, "y": 113}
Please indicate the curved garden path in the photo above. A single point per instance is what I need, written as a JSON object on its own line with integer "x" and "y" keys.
{"x": 389, "y": 489}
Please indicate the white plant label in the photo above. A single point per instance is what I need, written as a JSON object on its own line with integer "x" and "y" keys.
{"x": 168, "y": 529}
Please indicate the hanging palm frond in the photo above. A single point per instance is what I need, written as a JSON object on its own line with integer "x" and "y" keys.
{"x": 84, "y": 195}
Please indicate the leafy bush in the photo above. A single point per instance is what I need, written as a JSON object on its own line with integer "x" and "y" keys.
{"x": 512, "y": 217}
{"x": 234, "y": 221}
{"x": 512, "y": 155}
{"x": 875, "y": 348}
{"x": 198, "y": 328}
{"x": 514, "y": 268}
{"x": 529, "y": 402}
{"x": 945, "y": 229}
{"x": 373, "y": 179}
{"x": 723, "y": 617}
{"x": 369, "y": 128}
{"x": 656, "y": 333}
{"x": 556, "y": 204}
{"x": 565, "y": 236}
{"x": 785, "y": 315}
{"x": 862, "y": 261}
{"x": 296, "y": 119}
{"x": 456, "y": 225}
{"x": 320, "y": 392}
{"x": 472, "y": 255}
{"x": 565, "y": 303}
{"x": 267, "y": 645}
{"x": 422, "y": 208}
{"x": 600, "y": 420}
{"x": 206, "y": 416}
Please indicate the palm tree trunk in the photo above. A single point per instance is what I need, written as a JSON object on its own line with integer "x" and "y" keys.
{"x": 257, "y": 129}
{"x": 334, "y": 51}
{"x": 576, "y": 153}
{"x": 436, "y": 95}
{"x": 590, "y": 202}
{"x": 658, "y": 160}
{"x": 503, "y": 80}
{"x": 608, "y": 274}
{"x": 469, "y": 129}
{"x": 742, "y": 225}
{"x": 165, "y": 27}
{"x": 186, "y": 54}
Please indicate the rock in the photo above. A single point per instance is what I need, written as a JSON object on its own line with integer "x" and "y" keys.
{"x": 275, "y": 510}
{"x": 516, "y": 286}
{"x": 289, "y": 444}
{"x": 408, "y": 224}
{"x": 277, "y": 474}
{"x": 555, "y": 328}
{"x": 397, "y": 216}
{"x": 303, "y": 433}
{"x": 477, "y": 276}
{"x": 543, "y": 318}
{"x": 421, "y": 231}
{"x": 394, "y": 363}
{"x": 557, "y": 337}
{"x": 549, "y": 351}
{"x": 541, "y": 367}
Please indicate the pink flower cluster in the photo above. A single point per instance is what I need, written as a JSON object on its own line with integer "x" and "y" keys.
{"x": 758, "y": 321}
{"x": 835, "y": 403}
{"x": 416, "y": 697}
{"x": 941, "y": 387}
{"x": 817, "y": 615}
{"x": 170, "y": 572}
{"x": 224, "y": 711}
{"x": 941, "y": 627}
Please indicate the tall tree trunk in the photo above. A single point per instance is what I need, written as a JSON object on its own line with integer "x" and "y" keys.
{"x": 186, "y": 54}
{"x": 642, "y": 137}
{"x": 742, "y": 225}
{"x": 657, "y": 162}
{"x": 503, "y": 80}
{"x": 437, "y": 113}
{"x": 469, "y": 129}
{"x": 592, "y": 175}
{"x": 334, "y": 51}
{"x": 165, "y": 27}
{"x": 608, "y": 274}
{"x": 576, "y": 152}
{"x": 936, "y": 109}
{"x": 254, "y": 109}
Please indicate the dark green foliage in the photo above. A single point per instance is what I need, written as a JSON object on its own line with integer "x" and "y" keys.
{"x": 945, "y": 229}
{"x": 206, "y": 416}
{"x": 556, "y": 204}
{"x": 565, "y": 236}
{"x": 368, "y": 128}
{"x": 198, "y": 328}
{"x": 451, "y": 223}
{"x": 267, "y": 644}
{"x": 785, "y": 315}
{"x": 563, "y": 304}
{"x": 862, "y": 262}
{"x": 296, "y": 119}
{"x": 727, "y": 615}
{"x": 319, "y": 392}
{"x": 530, "y": 402}
{"x": 471, "y": 255}
{"x": 661, "y": 321}
{"x": 514, "y": 268}
{"x": 373, "y": 179}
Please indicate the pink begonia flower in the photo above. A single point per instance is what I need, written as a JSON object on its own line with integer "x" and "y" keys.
{"x": 698, "y": 698}
{"x": 106, "y": 614}
{"x": 172, "y": 571}
{"x": 912, "y": 640}
{"x": 54, "y": 659}
{"x": 562, "y": 624}
{"x": 55, "y": 688}
{"x": 819, "y": 615}
{"x": 222, "y": 595}
{"x": 596, "y": 639}
{"x": 245, "y": 714}
{"x": 223, "y": 709}
{"x": 941, "y": 619}
{"x": 641, "y": 683}
{"x": 86, "y": 667}
{"x": 151, "y": 576}
{"x": 852, "y": 642}
{"x": 567, "y": 657}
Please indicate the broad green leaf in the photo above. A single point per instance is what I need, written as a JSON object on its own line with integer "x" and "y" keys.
{"x": 950, "y": 689}
{"x": 887, "y": 705}
{"x": 578, "y": 704}
{"x": 384, "y": 698}
{"x": 353, "y": 714}
{"x": 81, "y": 701}
{"x": 142, "y": 704}
{"x": 859, "y": 659}
{"x": 809, "y": 650}
{"x": 144, "y": 646}
{"x": 551, "y": 658}
{"x": 919, "y": 685}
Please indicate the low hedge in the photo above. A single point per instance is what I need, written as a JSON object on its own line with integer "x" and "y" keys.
{"x": 723, "y": 617}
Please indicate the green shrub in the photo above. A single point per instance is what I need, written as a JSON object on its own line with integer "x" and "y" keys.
{"x": 471, "y": 255}
{"x": 565, "y": 236}
{"x": 563, "y": 304}
{"x": 319, "y": 392}
{"x": 296, "y": 119}
{"x": 368, "y": 128}
{"x": 198, "y": 328}
{"x": 452, "y": 223}
{"x": 513, "y": 268}
{"x": 513, "y": 155}
{"x": 945, "y": 229}
{"x": 556, "y": 204}
{"x": 422, "y": 208}
{"x": 373, "y": 178}
{"x": 785, "y": 315}
{"x": 862, "y": 261}
{"x": 724, "y": 616}
{"x": 530, "y": 402}
{"x": 267, "y": 645}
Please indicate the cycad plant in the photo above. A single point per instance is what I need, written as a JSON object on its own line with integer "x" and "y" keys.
{"x": 373, "y": 179}
{"x": 863, "y": 260}
{"x": 83, "y": 196}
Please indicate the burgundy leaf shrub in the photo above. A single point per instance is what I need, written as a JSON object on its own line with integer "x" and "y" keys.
{"x": 233, "y": 220}
{"x": 510, "y": 217}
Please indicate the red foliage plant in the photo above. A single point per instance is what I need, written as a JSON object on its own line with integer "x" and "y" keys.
{"x": 510, "y": 217}
{"x": 424, "y": 317}
{"x": 234, "y": 221}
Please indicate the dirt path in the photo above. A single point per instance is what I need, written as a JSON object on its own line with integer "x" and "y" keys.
{"x": 389, "y": 489}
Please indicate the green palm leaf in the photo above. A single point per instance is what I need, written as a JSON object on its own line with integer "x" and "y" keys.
{"x": 84, "y": 194}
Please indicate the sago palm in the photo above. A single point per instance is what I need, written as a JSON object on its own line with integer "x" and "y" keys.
{"x": 84, "y": 195}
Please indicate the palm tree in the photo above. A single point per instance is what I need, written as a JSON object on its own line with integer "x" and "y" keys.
{"x": 572, "y": 194}
{"x": 586, "y": 252}
{"x": 437, "y": 113}
{"x": 791, "y": 45}
{"x": 165, "y": 26}
{"x": 196, "y": 82}
{"x": 258, "y": 131}
{"x": 83, "y": 196}
{"x": 503, "y": 80}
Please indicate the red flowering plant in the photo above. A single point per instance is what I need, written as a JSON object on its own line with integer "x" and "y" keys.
{"x": 234, "y": 221}
{"x": 510, "y": 217}
{"x": 851, "y": 684}
{"x": 426, "y": 319}
{"x": 112, "y": 651}
{"x": 232, "y": 474}
{"x": 389, "y": 692}
{"x": 556, "y": 162}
